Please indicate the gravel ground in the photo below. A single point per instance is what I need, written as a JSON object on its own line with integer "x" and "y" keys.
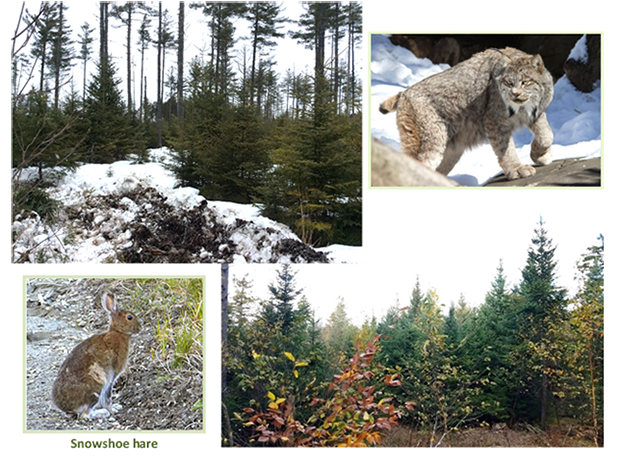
{"x": 155, "y": 395}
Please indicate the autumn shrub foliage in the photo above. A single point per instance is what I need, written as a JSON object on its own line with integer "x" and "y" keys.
{"x": 354, "y": 415}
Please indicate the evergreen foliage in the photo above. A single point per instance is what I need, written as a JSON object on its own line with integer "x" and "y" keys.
{"x": 440, "y": 370}
{"x": 105, "y": 114}
{"x": 541, "y": 315}
{"x": 241, "y": 132}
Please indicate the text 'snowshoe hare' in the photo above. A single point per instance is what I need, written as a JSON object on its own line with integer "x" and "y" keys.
{"x": 485, "y": 98}
{"x": 85, "y": 380}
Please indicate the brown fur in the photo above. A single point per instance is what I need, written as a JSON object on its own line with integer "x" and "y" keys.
{"x": 85, "y": 380}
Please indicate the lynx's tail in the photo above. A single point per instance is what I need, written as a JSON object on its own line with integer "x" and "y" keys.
{"x": 390, "y": 105}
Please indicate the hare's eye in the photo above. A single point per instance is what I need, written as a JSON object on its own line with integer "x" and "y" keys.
{"x": 130, "y": 317}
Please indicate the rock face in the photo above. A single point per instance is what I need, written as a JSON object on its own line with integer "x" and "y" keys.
{"x": 391, "y": 168}
{"x": 583, "y": 75}
{"x": 553, "y": 48}
{"x": 575, "y": 172}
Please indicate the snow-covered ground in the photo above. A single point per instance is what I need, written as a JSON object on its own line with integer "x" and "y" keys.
{"x": 575, "y": 117}
{"x": 101, "y": 209}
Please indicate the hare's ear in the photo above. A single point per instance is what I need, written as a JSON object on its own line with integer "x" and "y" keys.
{"x": 108, "y": 302}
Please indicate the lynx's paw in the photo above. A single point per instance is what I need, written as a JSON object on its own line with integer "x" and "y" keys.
{"x": 522, "y": 171}
{"x": 542, "y": 159}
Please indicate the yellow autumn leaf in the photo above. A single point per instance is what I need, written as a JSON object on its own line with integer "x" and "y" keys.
{"x": 273, "y": 405}
{"x": 301, "y": 364}
{"x": 290, "y": 356}
{"x": 255, "y": 355}
{"x": 365, "y": 416}
{"x": 271, "y": 396}
{"x": 295, "y": 373}
{"x": 279, "y": 400}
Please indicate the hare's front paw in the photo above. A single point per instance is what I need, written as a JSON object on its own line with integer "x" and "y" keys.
{"x": 99, "y": 413}
{"x": 523, "y": 171}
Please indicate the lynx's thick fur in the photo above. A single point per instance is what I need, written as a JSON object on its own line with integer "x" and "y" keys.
{"x": 486, "y": 97}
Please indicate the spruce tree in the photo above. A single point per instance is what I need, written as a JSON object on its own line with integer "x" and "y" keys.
{"x": 46, "y": 23}
{"x": 492, "y": 336}
{"x": 338, "y": 333}
{"x": 279, "y": 310}
{"x": 541, "y": 315}
{"x": 110, "y": 136}
{"x": 85, "y": 41}
{"x": 62, "y": 51}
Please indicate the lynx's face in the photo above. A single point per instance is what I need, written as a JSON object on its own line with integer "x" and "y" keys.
{"x": 520, "y": 82}
{"x": 517, "y": 91}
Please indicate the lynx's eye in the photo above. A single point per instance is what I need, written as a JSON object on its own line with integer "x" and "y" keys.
{"x": 507, "y": 83}
{"x": 527, "y": 83}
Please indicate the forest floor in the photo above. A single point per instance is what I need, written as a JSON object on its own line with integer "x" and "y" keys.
{"x": 60, "y": 313}
{"x": 497, "y": 435}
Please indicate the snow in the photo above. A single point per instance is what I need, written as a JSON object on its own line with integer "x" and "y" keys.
{"x": 253, "y": 236}
{"x": 575, "y": 117}
{"x": 580, "y": 52}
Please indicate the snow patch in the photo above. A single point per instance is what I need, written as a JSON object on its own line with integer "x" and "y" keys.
{"x": 133, "y": 212}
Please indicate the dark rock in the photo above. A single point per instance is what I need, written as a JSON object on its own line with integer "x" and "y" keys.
{"x": 553, "y": 48}
{"x": 584, "y": 74}
{"x": 574, "y": 172}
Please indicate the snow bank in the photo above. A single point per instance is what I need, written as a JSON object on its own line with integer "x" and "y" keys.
{"x": 133, "y": 212}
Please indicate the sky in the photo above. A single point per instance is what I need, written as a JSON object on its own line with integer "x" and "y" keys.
{"x": 288, "y": 54}
{"x": 455, "y": 255}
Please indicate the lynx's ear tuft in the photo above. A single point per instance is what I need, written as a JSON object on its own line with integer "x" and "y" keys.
{"x": 537, "y": 62}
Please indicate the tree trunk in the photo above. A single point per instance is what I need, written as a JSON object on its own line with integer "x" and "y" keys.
{"x": 336, "y": 54}
{"x": 224, "y": 316}
{"x": 129, "y": 59}
{"x": 544, "y": 401}
{"x": 58, "y": 56}
{"x": 180, "y": 62}
{"x": 103, "y": 33}
{"x": 158, "y": 112}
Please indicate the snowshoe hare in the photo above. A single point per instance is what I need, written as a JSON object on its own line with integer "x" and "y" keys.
{"x": 85, "y": 380}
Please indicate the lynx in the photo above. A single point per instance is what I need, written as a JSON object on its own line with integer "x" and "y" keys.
{"x": 486, "y": 97}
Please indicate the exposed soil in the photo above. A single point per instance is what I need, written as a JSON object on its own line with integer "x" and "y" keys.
{"x": 139, "y": 225}
{"x": 60, "y": 313}
{"x": 497, "y": 435}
